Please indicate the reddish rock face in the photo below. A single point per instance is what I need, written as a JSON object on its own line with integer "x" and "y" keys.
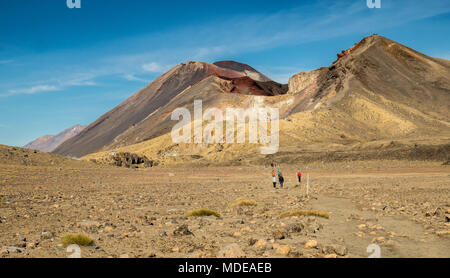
{"x": 244, "y": 69}
{"x": 211, "y": 69}
{"x": 350, "y": 50}
{"x": 234, "y": 66}
{"x": 247, "y": 86}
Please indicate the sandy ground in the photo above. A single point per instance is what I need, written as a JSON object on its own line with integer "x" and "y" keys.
{"x": 142, "y": 213}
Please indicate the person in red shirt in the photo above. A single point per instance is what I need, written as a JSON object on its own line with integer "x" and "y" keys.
{"x": 274, "y": 179}
{"x": 299, "y": 176}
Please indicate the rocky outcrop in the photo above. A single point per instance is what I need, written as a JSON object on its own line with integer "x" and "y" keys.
{"x": 353, "y": 48}
{"x": 304, "y": 80}
{"x": 127, "y": 160}
{"x": 247, "y": 86}
{"x": 244, "y": 69}
{"x": 131, "y": 160}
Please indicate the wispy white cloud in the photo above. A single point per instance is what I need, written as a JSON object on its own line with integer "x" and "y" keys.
{"x": 133, "y": 77}
{"x": 237, "y": 35}
{"x": 79, "y": 81}
{"x": 154, "y": 67}
{"x": 255, "y": 32}
{"x": 32, "y": 90}
{"x": 53, "y": 85}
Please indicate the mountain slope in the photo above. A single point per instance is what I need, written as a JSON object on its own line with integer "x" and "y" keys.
{"x": 23, "y": 157}
{"x": 244, "y": 69}
{"x": 379, "y": 99}
{"x": 48, "y": 143}
{"x": 137, "y": 118}
{"x": 384, "y": 68}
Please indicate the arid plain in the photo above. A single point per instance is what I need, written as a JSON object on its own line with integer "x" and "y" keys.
{"x": 403, "y": 207}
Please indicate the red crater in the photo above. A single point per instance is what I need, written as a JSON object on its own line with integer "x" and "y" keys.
{"x": 247, "y": 86}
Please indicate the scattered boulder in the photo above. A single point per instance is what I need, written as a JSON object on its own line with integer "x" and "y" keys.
{"x": 13, "y": 249}
{"x": 22, "y": 238}
{"x": 260, "y": 244}
{"x": 335, "y": 249}
{"x": 252, "y": 242}
{"x": 295, "y": 228}
{"x": 314, "y": 227}
{"x": 310, "y": 244}
{"x": 283, "y": 250}
{"x": 390, "y": 243}
{"x": 163, "y": 234}
{"x": 46, "y": 234}
{"x": 279, "y": 234}
{"x": 197, "y": 255}
{"x": 31, "y": 245}
{"x": 231, "y": 251}
{"x": 21, "y": 244}
{"x": 182, "y": 230}
{"x": 443, "y": 233}
{"x": 360, "y": 234}
{"x": 362, "y": 226}
{"x": 89, "y": 225}
{"x": 150, "y": 254}
{"x": 237, "y": 234}
{"x": 379, "y": 240}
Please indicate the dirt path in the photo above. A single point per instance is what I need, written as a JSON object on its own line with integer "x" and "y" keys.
{"x": 397, "y": 236}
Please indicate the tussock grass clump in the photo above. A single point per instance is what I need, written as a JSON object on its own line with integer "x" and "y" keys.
{"x": 78, "y": 239}
{"x": 305, "y": 213}
{"x": 202, "y": 212}
{"x": 245, "y": 203}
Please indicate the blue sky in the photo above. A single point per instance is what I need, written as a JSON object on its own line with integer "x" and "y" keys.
{"x": 60, "y": 67}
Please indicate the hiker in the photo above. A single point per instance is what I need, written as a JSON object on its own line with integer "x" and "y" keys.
{"x": 299, "y": 176}
{"x": 281, "y": 180}
{"x": 274, "y": 179}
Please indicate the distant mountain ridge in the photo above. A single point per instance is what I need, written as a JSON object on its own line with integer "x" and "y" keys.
{"x": 49, "y": 143}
